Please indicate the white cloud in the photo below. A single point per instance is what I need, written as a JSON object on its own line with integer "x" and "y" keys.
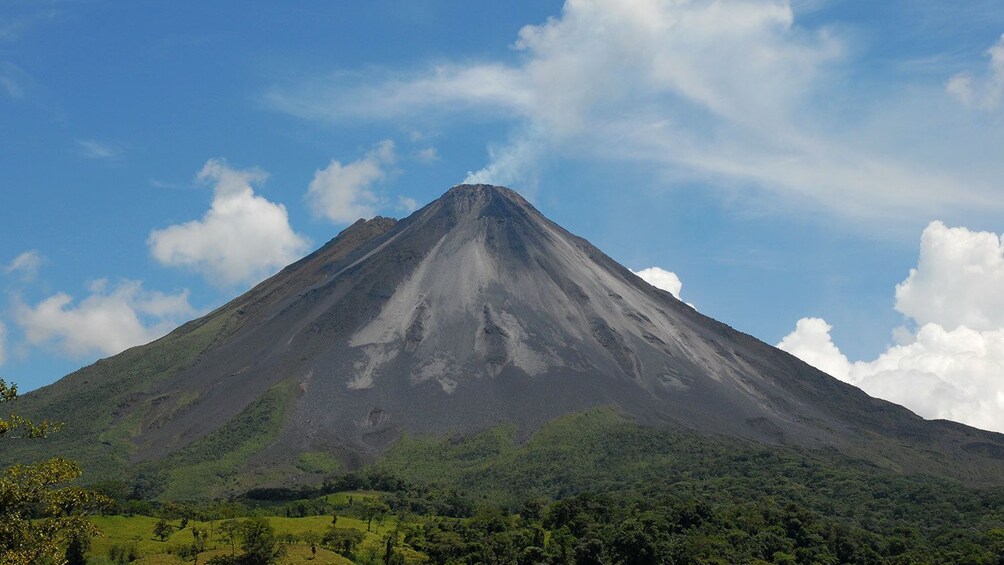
{"x": 959, "y": 280}
{"x": 733, "y": 93}
{"x": 952, "y": 366}
{"x": 428, "y": 155}
{"x": 952, "y": 374}
{"x": 512, "y": 164}
{"x": 16, "y": 24}
{"x": 109, "y": 320}
{"x": 343, "y": 193}
{"x": 3, "y": 343}
{"x": 811, "y": 343}
{"x": 97, "y": 150}
{"x": 241, "y": 239}
{"x": 985, "y": 91}
{"x": 662, "y": 279}
{"x": 407, "y": 205}
{"x": 26, "y": 265}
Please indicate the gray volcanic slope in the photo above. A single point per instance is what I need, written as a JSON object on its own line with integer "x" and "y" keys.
{"x": 477, "y": 310}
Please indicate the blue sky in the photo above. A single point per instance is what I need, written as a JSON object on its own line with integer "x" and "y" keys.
{"x": 781, "y": 158}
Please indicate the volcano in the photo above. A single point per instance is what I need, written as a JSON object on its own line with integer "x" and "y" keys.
{"x": 475, "y": 310}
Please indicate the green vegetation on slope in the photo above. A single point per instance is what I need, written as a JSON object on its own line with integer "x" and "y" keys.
{"x": 318, "y": 462}
{"x": 591, "y": 487}
{"x": 214, "y": 464}
{"x": 110, "y": 396}
{"x": 648, "y": 475}
{"x": 595, "y": 487}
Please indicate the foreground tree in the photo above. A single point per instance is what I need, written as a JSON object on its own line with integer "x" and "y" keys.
{"x": 77, "y": 548}
{"x": 343, "y": 540}
{"x": 41, "y": 514}
{"x": 313, "y": 538}
{"x": 230, "y": 530}
{"x": 199, "y": 540}
{"x": 259, "y": 543}
{"x": 163, "y": 529}
{"x": 374, "y": 508}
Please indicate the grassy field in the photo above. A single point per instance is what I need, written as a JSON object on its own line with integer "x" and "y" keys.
{"x": 295, "y": 554}
{"x": 136, "y": 532}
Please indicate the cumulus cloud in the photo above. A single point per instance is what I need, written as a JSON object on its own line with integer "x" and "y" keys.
{"x": 951, "y": 374}
{"x": 732, "y": 93}
{"x": 958, "y": 280}
{"x": 811, "y": 343}
{"x": 25, "y": 265}
{"x": 110, "y": 319}
{"x": 952, "y": 365}
{"x": 985, "y": 91}
{"x": 241, "y": 239}
{"x": 662, "y": 279}
{"x": 343, "y": 193}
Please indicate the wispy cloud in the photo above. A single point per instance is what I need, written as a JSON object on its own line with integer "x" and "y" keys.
{"x": 13, "y": 80}
{"x": 515, "y": 163}
{"x": 985, "y": 90}
{"x": 407, "y": 205}
{"x": 25, "y": 265}
{"x": 98, "y": 150}
{"x": 731, "y": 94}
{"x": 427, "y": 155}
{"x": 16, "y": 20}
{"x": 157, "y": 183}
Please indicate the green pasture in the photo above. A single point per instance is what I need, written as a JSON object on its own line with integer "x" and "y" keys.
{"x": 137, "y": 532}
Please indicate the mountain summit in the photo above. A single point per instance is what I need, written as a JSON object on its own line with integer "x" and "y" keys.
{"x": 473, "y": 311}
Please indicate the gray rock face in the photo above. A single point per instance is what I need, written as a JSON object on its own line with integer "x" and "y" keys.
{"x": 477, "y": 310}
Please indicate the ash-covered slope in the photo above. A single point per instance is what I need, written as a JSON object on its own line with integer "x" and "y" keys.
{"x": 473, "y": 311}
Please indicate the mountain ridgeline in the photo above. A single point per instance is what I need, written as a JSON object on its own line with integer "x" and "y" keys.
{"x": 475, "y": 311}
